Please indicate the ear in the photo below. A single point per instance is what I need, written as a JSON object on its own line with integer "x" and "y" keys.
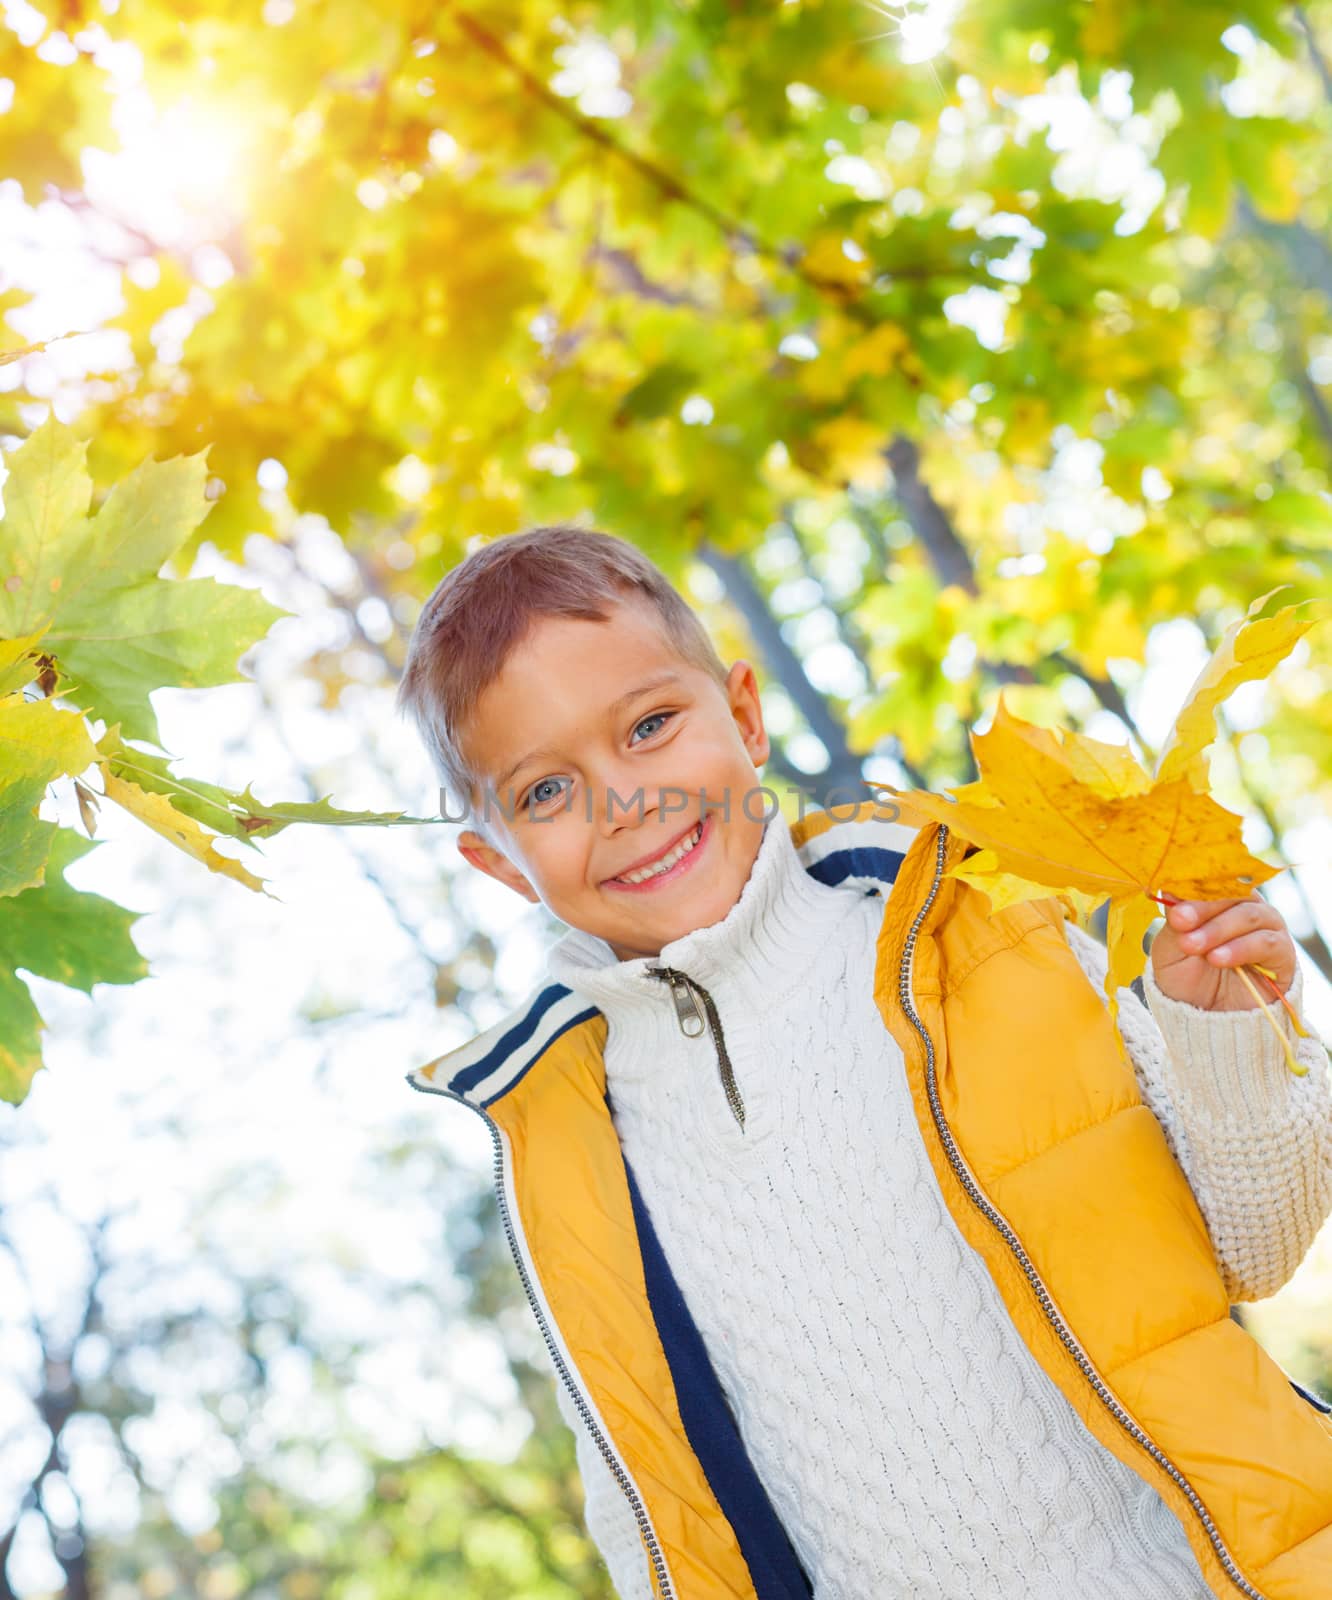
{"x": 494, "y": 863}
{"x": 747, "y": 709}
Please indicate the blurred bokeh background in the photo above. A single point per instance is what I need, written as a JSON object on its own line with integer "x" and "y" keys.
{"x": 933, "y": 348}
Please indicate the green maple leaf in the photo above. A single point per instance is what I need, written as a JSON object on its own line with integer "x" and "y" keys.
{"x": 116, "y": 628}
{"x": 67, "y": 935}
{"x": 266, "y": 820}
{"x": 241, "y": 816}
{"x": 25, "y": 840}
{"x": 38, "y": 742}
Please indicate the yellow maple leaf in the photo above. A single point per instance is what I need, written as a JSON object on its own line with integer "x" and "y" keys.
{"x": 981, "y": 870}
{"x": 1109, "y": 769}
{"x": 1054, "y": 810}
{"x": 1248, "y": 650}
{"x": 1061, "y": 812}
{"x": 182, "y": 831}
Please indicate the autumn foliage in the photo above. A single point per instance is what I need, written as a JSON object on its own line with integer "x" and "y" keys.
{"x": 927, "y": 373}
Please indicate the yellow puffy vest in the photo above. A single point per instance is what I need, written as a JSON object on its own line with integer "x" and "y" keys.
{"x": 1053, "y": 1170}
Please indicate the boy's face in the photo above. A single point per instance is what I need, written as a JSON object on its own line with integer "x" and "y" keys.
{"x": 596, "y": 775}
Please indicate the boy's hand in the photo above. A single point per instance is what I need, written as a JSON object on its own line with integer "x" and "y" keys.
{"x": 1203, "y": 941}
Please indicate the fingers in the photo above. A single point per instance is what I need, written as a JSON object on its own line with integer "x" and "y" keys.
{"x": 1240, "y": 931}
{"x": 1266, "y": 948}
{"x": 1185, "y": 914}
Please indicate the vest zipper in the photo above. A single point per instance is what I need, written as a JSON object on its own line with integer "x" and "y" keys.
{"x": 665, "y": 1590}
{"x": 992, "y": 1215}
{"x": 686, "y": 994}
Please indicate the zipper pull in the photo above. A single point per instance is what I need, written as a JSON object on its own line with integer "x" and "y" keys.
{"x": 687, "y": 1014}
{"x": 685, "y": 991}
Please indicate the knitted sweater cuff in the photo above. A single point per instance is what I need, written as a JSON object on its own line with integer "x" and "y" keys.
{"x": 1229, "y": 1064}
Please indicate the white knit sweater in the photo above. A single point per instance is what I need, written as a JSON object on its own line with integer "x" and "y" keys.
{"x": 911, "y": 1445}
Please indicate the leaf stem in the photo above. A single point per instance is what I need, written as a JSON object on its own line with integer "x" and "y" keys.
{"x": 1269, "y": 978}
{"x": 1242, "y": 972}
{"x": 175, "y": 784}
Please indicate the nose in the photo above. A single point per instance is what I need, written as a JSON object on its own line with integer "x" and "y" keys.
{"x": 620, "y": 796}
{"x": 619, "y": 801}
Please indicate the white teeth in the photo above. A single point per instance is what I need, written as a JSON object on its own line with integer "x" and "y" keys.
{"x": 667, "y": 861}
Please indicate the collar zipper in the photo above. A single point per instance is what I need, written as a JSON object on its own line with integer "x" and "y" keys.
{"x": 687, "y": 994}
{"x": 1000, "y": 1223}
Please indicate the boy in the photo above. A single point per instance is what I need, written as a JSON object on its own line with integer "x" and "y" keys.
{"x": 868, "y": 1268}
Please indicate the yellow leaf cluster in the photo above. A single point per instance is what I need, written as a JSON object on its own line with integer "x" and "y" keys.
{"x": 1054, "y": 811}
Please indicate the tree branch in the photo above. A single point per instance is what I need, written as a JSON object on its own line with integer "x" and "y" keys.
{"x": 1301, "y": 15}
{"x": 952, "y": 563}
{"x": 1312, "y": 396}
{"x": 666, "y": 183}
{"x": 786, "y": 666}
{"x": 854, "y": 640}
{"x": 1105, "y": 690}
{"x": 1307, "y": 254}
{"x": 657, "y": 176}
{"x": 949, "y": 557}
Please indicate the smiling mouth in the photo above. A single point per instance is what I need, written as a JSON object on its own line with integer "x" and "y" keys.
{"x": 665, "y": 863}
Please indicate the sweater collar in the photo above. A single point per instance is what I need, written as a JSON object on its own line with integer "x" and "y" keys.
{"x": 858, "y": 853}
{"x": 752, "y": 951}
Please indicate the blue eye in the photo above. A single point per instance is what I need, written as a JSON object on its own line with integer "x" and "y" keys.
{"x": 533, "y": 797}
{"x": 657, "y": 716}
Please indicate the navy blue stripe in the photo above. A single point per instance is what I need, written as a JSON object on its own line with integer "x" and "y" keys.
{"x": 861, "y": 861}
{"x": 1319, "y": 1405}
{"x": 711, "y": 1430}
{"x": 507, "y": 1043}
{"x": 513, "y": 1083}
